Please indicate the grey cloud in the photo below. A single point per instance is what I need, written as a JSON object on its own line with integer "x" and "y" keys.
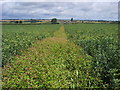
{"x": 67, "y": 10}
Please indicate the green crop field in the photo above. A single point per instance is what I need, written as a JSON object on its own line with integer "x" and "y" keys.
{"x": 60, "y": 56}
{"x": 101, "y": 42}
{"x": 17, "y": 37}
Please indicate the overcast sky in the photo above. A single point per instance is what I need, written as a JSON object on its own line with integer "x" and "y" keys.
{"x": 61, "y": 10}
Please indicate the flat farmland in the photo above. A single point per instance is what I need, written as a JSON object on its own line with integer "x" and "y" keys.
{"x": 16, "y": 37}
{"x": 60, "y": 56}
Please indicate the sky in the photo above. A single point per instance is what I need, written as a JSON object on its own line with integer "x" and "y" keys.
{"x": 87, "y": 10}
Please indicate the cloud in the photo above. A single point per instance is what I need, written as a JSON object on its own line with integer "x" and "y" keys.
{"x": 60, "y": 1}
{"x": 61, "y": 10}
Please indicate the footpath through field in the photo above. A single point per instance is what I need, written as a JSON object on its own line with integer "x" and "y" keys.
{"x": 53, "y": 63}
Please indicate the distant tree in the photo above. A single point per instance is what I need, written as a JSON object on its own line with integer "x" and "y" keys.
{"x": 54, "y": 21}
{"x": 16, "y": 22}
{"x": 71, "y": 19}
{"x": 20, "y": 22}
{"x": 33, "y": 20}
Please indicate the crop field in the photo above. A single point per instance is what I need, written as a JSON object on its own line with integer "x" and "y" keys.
{"x": 16, "y": 37}
{"x": 101, "y": 42}
{"x": 60, "y": 56}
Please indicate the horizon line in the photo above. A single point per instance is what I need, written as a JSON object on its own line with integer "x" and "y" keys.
{"x": 58, "y": 19}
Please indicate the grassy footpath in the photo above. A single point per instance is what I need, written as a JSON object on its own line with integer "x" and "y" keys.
{"x": 51, "y": 63}
{"x": 60, "y": 33}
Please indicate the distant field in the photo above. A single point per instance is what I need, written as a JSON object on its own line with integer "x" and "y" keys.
{"x": 61, "y": 56}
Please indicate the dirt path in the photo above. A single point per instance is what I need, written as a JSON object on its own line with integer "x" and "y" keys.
{"x": 53, "y": 62}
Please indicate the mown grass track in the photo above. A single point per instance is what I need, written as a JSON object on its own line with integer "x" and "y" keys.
{"x": 53, "y": 62}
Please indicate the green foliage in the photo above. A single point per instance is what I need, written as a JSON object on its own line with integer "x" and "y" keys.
{"x": 101, "y": 42}
{"x": 17, "y": 37}
{"x": 54, "y": 21}
{"x": 53, "y": 62}
{"x": 71, "y": 19}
